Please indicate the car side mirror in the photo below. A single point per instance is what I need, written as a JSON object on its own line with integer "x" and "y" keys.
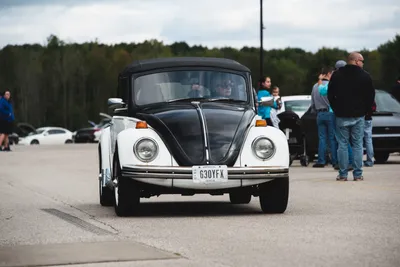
{"x": 46, "y": 134}
{"x": 115, "y": 102}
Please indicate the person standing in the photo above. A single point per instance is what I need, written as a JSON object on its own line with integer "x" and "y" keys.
{"x": 323, "y": 90}
{"x": 396, "y": 89}
{"x": 6, "y": 120}
{"x": 368, "y": 136}
{"x": 325, "y": 120}
{"x": 351, "y": 94}
{"x": 263, "y": 110}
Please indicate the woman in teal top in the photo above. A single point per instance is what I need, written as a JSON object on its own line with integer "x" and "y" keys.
{"x": 265, "y": 111}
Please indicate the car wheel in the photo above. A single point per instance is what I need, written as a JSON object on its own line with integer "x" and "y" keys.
{"x": 381, "y": 157}
{"x": 126, "y": 193}
{"x": 34, "y": 142}
{"x": 274, "y": 195}
{"x": 106, "y": 195}
{"x": 239, "y": 198}
{"x": 69, "y": 141}
{"x": 304, "y": 161}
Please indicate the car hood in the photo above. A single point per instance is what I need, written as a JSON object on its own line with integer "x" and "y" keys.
{"x": 180, "y": 125}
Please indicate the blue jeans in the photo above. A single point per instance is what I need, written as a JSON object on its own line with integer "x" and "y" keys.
{"x": 326, "y": 131}
{"x": 368, "y": 142}
{"x": 350, "y": 129}
{"x": 350, "y": 155}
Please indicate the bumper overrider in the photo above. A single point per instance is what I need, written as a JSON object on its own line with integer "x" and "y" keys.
{"x": 186, "y": 173}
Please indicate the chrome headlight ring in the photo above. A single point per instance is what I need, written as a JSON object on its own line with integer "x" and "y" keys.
{"x": 263, "y": 148}
{"x": 146, "y": 149}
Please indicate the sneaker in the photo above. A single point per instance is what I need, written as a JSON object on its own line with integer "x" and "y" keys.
{"x": 318, "y": 165}
{"x": 358, "y": 178}
{"x": 7, "y": 149}
{"x": 341, "y": 178}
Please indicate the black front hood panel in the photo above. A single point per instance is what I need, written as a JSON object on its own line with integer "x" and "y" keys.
{"x": 180, "y": 126}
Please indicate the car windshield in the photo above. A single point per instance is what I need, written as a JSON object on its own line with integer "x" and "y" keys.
{"x": 385, "y": 102}
{"x": 186, "y": 85}
{"x": 297, "y": 105}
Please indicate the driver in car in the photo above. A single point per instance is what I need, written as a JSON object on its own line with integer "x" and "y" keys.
{"x": 223, "y": 89}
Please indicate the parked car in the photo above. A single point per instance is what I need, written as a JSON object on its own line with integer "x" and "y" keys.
{"x": 20, "y": 130}
{"x": 299, "y": 104}
{"x": 163, "y": 141}
{"x": 13, "y": 139}
{"x": 48, "y": 136}
{"x": 385, "y": 128}
{"x": 92, "y": 134}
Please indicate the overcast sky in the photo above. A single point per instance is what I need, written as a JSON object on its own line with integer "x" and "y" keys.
{"x": 307, "y": 24}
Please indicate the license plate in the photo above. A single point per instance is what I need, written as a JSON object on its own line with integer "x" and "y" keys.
{"x": 210, "y": 174}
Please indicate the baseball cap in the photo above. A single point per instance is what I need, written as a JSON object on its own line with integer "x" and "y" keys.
{"x": 340, "y": 63}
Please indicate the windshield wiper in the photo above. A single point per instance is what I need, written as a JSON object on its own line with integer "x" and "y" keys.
{"x": 185, "y": 99}
{"x": 226, "y": 99}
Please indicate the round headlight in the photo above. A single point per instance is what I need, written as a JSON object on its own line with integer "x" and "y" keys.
{"x": 263, "y": 148}
{"x": 146, "y": 149}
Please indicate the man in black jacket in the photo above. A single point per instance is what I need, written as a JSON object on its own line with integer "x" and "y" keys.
{"x": 351, "y": 94}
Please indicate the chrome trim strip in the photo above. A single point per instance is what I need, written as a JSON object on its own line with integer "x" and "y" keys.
{"x": 385, "y": 135}
{"x": 203, "y": 125}
{"x": 186, "y": 172}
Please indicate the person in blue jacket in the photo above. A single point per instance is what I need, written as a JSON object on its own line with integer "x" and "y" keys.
{"x": 323, "y": 90}
{"x": 265, "y": 111}
{"x": 6, "y": 120}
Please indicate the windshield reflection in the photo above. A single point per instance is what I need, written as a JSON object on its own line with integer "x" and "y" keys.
{"x": 385, "y": 102}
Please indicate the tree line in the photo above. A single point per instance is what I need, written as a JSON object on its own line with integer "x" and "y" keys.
{"x": 67, "y": 84}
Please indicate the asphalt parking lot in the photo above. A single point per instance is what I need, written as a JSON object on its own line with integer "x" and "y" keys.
{"x": 50, "y": 214}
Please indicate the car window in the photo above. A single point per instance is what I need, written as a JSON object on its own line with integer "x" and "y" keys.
{"x": 386, "y": 103}
{"x": 297, "y": 105}
{"x": 56, "y": 132}
{"x": 187, "y": 84}
{"x": 38, "y": 131}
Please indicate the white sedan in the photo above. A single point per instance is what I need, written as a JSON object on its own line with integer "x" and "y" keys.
{"x": 299, "y": 104}
{"x": 48, "y": 136}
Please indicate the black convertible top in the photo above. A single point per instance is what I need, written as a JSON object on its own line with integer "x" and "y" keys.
{"x": 157, "y": 63}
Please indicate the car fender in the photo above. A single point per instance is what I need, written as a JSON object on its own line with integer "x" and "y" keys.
{"x": 106, "y": 155}
{"x": 126, "y": 141}
{"x": 280, "y": 158}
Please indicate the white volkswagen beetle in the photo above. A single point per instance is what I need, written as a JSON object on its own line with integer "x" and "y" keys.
{"x": 189, "y": 126}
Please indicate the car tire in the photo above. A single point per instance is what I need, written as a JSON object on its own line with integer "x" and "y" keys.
{"x": 304, "y": 161}
{"x": 274, "y": 195}
{"x": 34, "y": 142}
{"x": 239, "y": 198}
{"x": 381, "y": 157}
{"x": 69, "y": 141}
{"x": 126, "y": 193}
{"x": 106, "y": 195}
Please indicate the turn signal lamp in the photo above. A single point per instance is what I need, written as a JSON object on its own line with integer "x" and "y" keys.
{"x": 261, "y": 123}
{"x": 141, "y": 125}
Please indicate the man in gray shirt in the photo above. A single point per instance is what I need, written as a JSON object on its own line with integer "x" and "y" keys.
{"x": 325, "y": 121}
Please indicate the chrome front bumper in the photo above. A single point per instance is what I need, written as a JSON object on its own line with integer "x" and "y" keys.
{"x": 234, "y": 173}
